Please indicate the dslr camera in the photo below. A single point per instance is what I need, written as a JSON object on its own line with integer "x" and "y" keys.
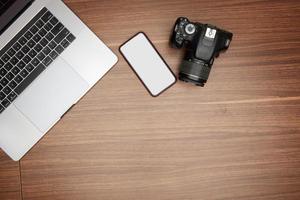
{"x": 203, "y": 43}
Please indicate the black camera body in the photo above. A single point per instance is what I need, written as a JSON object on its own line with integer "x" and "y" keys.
{"x": 204, "y": 43}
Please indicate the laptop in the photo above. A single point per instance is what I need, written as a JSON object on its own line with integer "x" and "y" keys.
{"x": 48, "y": 60}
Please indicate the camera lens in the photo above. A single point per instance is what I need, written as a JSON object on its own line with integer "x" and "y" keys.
{"x": 194, "y": 71}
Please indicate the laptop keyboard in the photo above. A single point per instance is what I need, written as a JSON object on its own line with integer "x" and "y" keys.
{"x": 29, "y": 53}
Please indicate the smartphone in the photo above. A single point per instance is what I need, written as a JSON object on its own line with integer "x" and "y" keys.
{"x": 148, "y": 64}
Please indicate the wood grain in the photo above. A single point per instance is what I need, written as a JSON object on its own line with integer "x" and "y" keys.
{"x": 236, "y": 139}
{"x": 10, "y": 187}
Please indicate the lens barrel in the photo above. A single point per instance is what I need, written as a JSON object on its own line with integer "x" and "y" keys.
{"x": 194, "y": 71}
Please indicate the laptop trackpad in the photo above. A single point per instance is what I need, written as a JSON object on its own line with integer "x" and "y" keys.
{"x": 51, "y": 95}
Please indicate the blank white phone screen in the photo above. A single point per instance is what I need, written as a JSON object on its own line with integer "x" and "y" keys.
{"x": 147, "y": 64}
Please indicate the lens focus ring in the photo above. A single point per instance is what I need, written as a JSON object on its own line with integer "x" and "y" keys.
{"x": 195, "y": 71}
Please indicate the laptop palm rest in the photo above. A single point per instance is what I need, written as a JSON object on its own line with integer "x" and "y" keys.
{"x": 51, "y": 95}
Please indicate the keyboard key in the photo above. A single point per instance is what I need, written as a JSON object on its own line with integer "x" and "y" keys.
{"x": 27, "y": 59}
{"x": 21, "y": 65}
{"x": 30, "y": 78}
{"x": 53, "y": 55}
{"x": 35, "y": 62}
{"x": 22, "y": 40}
{"x": 47, "y": 61}
{"x": 1, "y": 63}
{"x": 44, "y": 42}
{"x": 5, "y": 58}
{"x": 41, "y": 56}
{"x": 32, "y": 53}
{"x": 42, "y": 32}
{"x": 48, "y": 26}
{"x": 57, "y": 28}
{"x": 4, "y": 82}
{"x": 2, "y": 96}
{"x": 37, "y": 38}
{"x": 46, "y": 50}
{"x": 20, "y": 55}
{"x": 29, "y": 67}
{"x": 3, "y": 72}
{"x": 17, "y": 46}
{"x": 25, "y": 49}
{"x": 39, "y": 23}
{"x": 34, "y": 29}
{"x": 24, "y": 73}
{"x": 15, "y": 70}
{"x": 12, "y": 84}
{"x": 47, "y": 16}
{"x": 5, "y": 103}
{"x": 9, "y": 76}
{"x": 38, "y": 48}
{"x": 18, "y": 79}
{"x": 52, "y": 45}
{"x": 65, "y": 43}
{"x": 59, "y": 49}
{"x": 49, "y": 36}
{"x": 28, "y": 35}
{"x": 8, "y": 66}
{"x": 14, "y": 60}
{"x": 53, "y": 21}
{"x": 12, "y": 96}
{"x": 64, "y": 33}
{"x": 31, "y": 43}
{"x": 7, "y": 90}
{"x": 1, "y": 109}
{"x": 11, "y": 52}
{"x": 70, "y": 37}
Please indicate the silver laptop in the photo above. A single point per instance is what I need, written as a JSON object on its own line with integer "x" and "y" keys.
{"x": 48, "y": 60}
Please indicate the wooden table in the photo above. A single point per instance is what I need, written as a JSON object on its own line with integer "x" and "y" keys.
{"x": 236, "y": 139}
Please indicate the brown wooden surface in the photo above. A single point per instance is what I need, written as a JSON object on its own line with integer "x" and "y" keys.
{"x": 10, "y": 187}
{"x": 236, "y": 139}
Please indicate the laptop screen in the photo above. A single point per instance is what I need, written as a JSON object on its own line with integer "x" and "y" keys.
{"x": 4, "y": 4}
{"x": 9, "y": 10}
